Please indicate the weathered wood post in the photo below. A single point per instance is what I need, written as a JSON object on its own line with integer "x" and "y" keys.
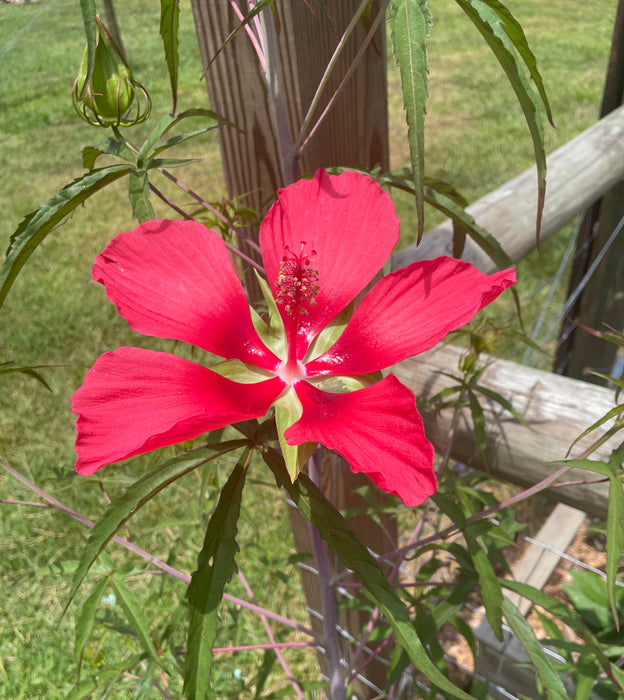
{"x": 602, "y": 300}
{"x": 354, "y": 134}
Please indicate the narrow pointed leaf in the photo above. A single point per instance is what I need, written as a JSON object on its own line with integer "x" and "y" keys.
{"x": 86, "y": 620}
{"x": 169, "y": 22}
{"x": 613, "y": 413}
{"x": 355, "y": 556}
{"x": 149, "y": 149}
{"x": 29, "y": 370}
{"x": 615, "y": 541}
{"x": 138, "y": 192}
{"x": 132, "y": 609}
{"x": 87, "y": 7}
{"x": 36, "y": 226}
{"x": 504, "y": 36}
{"x": 615, "y": 528}
{"x": 478, "y": 420}
{"x": 490, "y": 585}
{"x": 410, "y": 21}
{"x": 563, "y": 612}
{"x": 551, "y": 680}
{"x": 99, "y": 683}
{"x": 215, "y": 566}
{"x": 135, "y": 497}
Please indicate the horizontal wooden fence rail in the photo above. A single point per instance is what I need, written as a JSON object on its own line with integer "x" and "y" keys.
{"x": 558, "y": 409}
{"x": 579, "y": 173}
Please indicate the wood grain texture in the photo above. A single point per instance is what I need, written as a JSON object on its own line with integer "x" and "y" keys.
{"x": 558, "y": 409}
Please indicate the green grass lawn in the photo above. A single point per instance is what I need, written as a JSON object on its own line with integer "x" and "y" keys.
{"x": 476, "y": 138}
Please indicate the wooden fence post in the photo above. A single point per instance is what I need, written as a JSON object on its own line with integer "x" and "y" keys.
{"x": 355, "y": 133}
{"x": 602, "y": 300}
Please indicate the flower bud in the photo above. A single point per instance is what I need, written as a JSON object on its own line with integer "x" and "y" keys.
{"x": 111, "y": 97}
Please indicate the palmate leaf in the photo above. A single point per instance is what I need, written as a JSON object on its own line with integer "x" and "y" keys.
{"x": 410, "y": 21}
{"x": 505, "y": 37}
{"x": 215, "y": 567}
{"x": 355, "y": 556}
{"x": 169, "y": 22}
{"x": 136, "y": 496}
{"x": 36, "y": 225}
{"x": 550, "y": 678}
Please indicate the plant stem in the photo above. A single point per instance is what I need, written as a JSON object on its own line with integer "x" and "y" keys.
{"x": 338, "y": 690}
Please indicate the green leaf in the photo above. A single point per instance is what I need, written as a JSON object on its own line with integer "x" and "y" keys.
{"x": 615, "y": 529}
{"x": 355, "y": 556}
{"x": 450, "y": 205}
{"x": 490, "y": 585}
{"x": 87, "y": 7}
{"x": 111, "y": 674}
{"x": 135, "y": 497}
{"x": 550, "y": 678}
{"x": 505, "y": 37}
{"x": 563, "y": 612}
{"x": 131, "y": 607}
{"x": 478, "y": 421}
{"x": 410, "y": 21}
{"x": 273, "y": 333}
{"x": 114, "y": 148}
{"x": 169, "y": 22}
{"x": 86, "y": 620}
{"x": 138, "y": 192}
{"x": 29, "y": 370}
{"x": 148, "y": 150}
{"x": 215, "y": 566}
{"x": 613, "y": 413}
{"x": 36, "y": 225}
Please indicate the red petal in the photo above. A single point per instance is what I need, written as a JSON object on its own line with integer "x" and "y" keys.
{"x": 408, "y": 312}
{"x": 348, "y": 220}
{"x": 174, "y": 279}
{"x": 133, "y": 401}
{"x": 377, "y": 430}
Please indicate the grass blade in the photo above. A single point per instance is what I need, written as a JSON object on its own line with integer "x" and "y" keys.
{"x": 410, "y": 21}
{"x": 215, "y": 567}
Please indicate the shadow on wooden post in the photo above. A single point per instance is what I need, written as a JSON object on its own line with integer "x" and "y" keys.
{"x": 355, "y": 133}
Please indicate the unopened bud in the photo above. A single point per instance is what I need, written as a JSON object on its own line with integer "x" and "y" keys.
{"x": 112, "y": 97}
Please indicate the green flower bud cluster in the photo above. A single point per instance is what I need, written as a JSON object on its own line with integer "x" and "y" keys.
{"x": 111, "y": 96}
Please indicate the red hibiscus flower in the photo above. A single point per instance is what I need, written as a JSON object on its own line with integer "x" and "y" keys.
{"x": 316, "y": 360}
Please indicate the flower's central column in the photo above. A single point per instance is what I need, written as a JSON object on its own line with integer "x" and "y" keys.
{"x": 297, "y": 288}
